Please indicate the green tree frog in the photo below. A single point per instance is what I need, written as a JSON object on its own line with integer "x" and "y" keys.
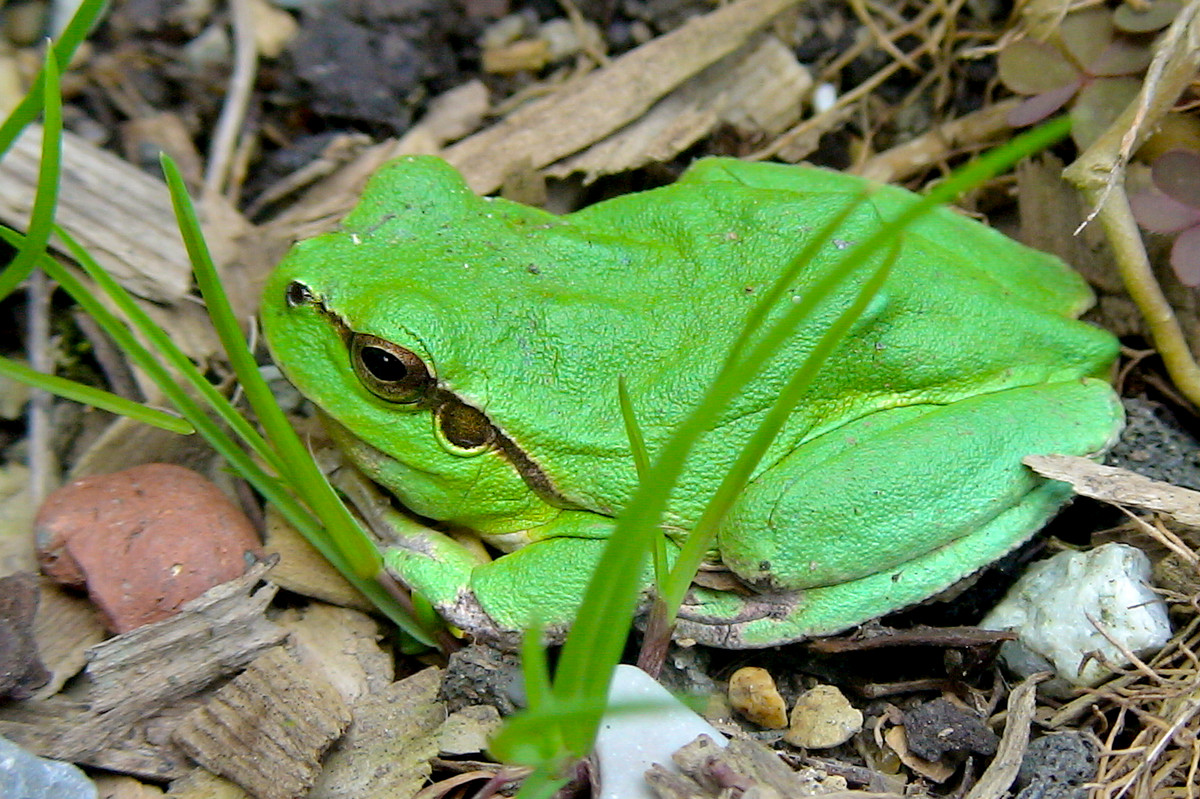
{"x": 466, "y": 352}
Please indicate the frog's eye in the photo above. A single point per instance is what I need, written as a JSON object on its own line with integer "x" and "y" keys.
{"x": 297, "y": 294}
{"x": 464, "y": 428}
{"x": 389, "y": 371}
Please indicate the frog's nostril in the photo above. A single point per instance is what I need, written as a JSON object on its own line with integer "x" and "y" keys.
{"x": 298, "y": 294}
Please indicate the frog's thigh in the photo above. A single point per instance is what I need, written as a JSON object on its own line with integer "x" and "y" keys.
{"x": 877, "y": 494}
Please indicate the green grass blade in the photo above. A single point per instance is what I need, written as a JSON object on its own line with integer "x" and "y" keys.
{"x": 95, "y": 397}
{"x": 159, "y": 340}
{"x": 63, "y": 50}
{"x": 535, "y": 668}
{"x": 592, "y": 648}
{"x": 637, "y": 442}
{"x": 41, "y": 218}
{"x": 700, "y": 538}
{"x": 641, "y": 463}
{"x": 294, "y": 461}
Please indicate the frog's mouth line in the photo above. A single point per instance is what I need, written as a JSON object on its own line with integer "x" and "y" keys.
{"x": 531, "y": 474}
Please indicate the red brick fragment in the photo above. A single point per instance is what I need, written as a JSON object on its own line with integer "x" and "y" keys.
{"x": 143, "y": 541}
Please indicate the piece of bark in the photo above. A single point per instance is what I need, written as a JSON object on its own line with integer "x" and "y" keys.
{"x": 267, "y": 729}
{"x": 131, "y": 232}
{"x": 21, "y": 670}
{"x": 57, "y": 727}
{"x": 758, "y": 89}
{"x": 136, "y": 684}
{"x": 1119, "y": 486}
{"x": 212, "y": 636}
{"x": 386, "y": 751}
{"x": 591, "y": 108}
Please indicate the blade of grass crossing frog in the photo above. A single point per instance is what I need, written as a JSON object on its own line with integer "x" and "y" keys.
{"x": 610, "y": 599}
{"x": 592, "y": 647}
{"x": 701, "y": 537}
{"x": 341, "y": 539}
{"x": 641, "y": 463}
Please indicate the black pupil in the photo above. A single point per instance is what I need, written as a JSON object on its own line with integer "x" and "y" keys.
{"x": 297, "y": 293}
{"x": 383, "y": 366}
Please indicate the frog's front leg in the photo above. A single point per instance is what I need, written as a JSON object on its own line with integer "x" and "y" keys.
{"x": 542, "y": 582}
{"x": 890, "y": 509}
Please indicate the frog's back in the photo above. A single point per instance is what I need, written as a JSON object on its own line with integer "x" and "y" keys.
{"x": 672, "y": 276}
{"x": 532, "y": 318}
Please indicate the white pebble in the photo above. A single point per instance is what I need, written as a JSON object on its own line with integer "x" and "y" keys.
{"x": 824, "y": 97}
{"x": 631, "y": 741}
{"x": 1050, "y": 606}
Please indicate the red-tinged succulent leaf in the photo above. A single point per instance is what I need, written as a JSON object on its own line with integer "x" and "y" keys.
{"x": 1040, "y": 106}
{"x": 1153, "y": 17}
{"x": 1185, "y": 256}
{"x": 1121, "y": 57}
{"x": 1031, "y": 67}
{"x": 1177, "y": 175}
{"x": 1086, "y": 34}
{"x": 1158, "y": 213}
{"x": 1098, "y": 105}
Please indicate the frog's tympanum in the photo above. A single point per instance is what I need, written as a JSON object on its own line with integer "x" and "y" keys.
{"x": 466, "y": 352}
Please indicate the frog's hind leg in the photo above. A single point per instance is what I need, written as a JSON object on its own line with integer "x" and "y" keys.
{"x": 888, "y": 510}
{"x": 732, "y": 621}
{"x": 540, "y": 583}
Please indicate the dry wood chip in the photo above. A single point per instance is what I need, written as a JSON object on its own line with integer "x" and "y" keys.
{"x": 758, "y": 88}
{"x": 468, "y": 731}
{"x": 606, "y": 100}
{"x": 118, "y": 212}
{"x": 267, "y": 729}
{"x": 934, "y": 770}
{"x": 386, "y": 751}
{"x": 140, "y": 681}
{"x": 303, "y": 570}
{"x": 1119, "y": 486}
{"x": 66, "y": 626}
{"x": 343, "y": 644}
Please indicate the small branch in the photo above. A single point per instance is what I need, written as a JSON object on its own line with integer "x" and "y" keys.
{"x": 233, "y": 112}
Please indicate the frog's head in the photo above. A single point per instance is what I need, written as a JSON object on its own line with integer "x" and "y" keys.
{"x": 358, "y": 326}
